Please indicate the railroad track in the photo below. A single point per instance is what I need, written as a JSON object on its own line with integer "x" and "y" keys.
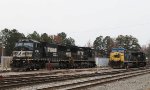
{"x": 32, "y": 80}
{"x": 26, "y": 80}
{"x": 85, "y": 84}
{"x": 56, "y": 72}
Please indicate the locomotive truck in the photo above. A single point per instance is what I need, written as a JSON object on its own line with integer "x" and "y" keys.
{"x": 30, "y": 54}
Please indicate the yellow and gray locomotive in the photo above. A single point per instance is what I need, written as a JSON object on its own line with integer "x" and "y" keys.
{"x": 121, "y": 58}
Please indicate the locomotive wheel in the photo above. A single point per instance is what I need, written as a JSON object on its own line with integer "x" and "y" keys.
{"x": 32, "y": 68}
{"x": 61, "y": 65}
{"x": 122, "y": 65}
{"x": 27, "y": 69}
{"x": 37, "y": 68}
{"x": 127, "y": 66}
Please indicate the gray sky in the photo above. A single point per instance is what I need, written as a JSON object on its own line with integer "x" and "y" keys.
{"x": 83, "y": 20}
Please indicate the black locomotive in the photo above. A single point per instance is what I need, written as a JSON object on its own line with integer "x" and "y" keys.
{"x": 31, "y": 54}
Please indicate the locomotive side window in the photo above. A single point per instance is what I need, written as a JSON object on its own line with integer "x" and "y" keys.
{"x": 37, "y": 45}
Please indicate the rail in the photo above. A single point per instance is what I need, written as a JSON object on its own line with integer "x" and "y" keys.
{"x": 33, "y": 80}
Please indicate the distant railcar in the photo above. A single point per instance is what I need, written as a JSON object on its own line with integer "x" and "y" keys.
{"x": 120, "y": 58}
{"x": 31, "y": 54}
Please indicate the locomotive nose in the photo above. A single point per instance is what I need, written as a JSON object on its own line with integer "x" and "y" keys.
{"x": 116, "y": 55}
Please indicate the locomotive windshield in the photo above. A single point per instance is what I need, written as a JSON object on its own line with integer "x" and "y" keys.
{"x": 118, "y": 50}
{"x": 122, "y": 51}
{"x": 25, "y": 44}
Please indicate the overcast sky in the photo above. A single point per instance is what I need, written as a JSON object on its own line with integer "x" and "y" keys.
{"x": 83, "y": 20}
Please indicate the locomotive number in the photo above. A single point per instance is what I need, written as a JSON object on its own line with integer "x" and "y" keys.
{"x": 51, "y": 49}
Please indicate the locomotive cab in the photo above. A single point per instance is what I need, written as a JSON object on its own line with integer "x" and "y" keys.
{"x": 27, "y": 49}
{"x": 117, "y": 57}
{"x": 24, "y": 54}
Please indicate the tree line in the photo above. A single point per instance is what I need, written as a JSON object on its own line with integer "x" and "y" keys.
{"x": 10, "y": 37}
{"x": 102, "y": 45}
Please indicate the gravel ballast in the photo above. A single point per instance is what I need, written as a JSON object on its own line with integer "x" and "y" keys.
{"x": 135, "y": 83}
{"x": 57, "y": 71}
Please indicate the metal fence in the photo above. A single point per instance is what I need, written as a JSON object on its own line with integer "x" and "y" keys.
{"x": 102, "y": 62}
